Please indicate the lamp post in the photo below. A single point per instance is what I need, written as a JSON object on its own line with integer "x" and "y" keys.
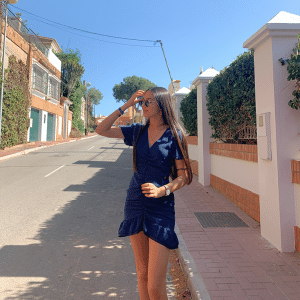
{"x": 86, "y": 107}
{"x": 3, "y": 59}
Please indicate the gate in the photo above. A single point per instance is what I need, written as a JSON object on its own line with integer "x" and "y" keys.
{"x": 50, "y": 130}
{"x": 34, "y": 130}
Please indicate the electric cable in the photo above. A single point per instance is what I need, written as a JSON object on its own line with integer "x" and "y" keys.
{"x": 110, "y": 36}
{"x": 86, "y": 31}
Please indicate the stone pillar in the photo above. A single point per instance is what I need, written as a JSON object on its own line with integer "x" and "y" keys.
{"x": 204, "y": 129}
{"x": 178, "y": 96}
{"x": 273, "y": 41}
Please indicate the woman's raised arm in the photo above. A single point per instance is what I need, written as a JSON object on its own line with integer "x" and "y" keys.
{"x": 105, "y": 129}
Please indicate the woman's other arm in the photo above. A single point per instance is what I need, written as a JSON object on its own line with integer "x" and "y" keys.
{"x": 105, "y": 127}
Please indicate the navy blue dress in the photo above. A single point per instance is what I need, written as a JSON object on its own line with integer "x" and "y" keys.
{"x": 154, "y": 216}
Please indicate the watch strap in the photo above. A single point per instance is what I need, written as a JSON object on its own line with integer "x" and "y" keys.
{"x": 121, "y": 111}
{"x": 167, "y": 190}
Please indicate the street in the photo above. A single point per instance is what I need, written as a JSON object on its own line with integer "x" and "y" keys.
{"x": 60, "y": 210}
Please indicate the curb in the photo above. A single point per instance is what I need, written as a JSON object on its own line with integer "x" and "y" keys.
{"x": 193, "y": 278}
{"x": 23, "y": 152}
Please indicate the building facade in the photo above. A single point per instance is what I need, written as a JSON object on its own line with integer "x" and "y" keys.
{"x": 50, "y": 118}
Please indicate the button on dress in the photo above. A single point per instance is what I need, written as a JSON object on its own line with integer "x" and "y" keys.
{"x": 154, "y": 216}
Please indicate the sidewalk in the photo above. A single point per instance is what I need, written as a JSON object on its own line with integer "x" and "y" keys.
{"x": 29, "y": 147}
{"x": 230, "y": 262}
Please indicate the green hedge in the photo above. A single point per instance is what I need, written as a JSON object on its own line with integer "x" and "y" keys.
{"x": 188, "y": 109}
{"x": 231, "y": 99}
{"x": 16, "y": 102}
{"x": 293, "y": 68}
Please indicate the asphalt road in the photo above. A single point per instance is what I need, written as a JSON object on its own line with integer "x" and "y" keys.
{"x": 60, "y": 210}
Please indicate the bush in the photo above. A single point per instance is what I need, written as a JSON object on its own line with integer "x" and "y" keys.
{"x": 231, "y": 99}
{"x": 75, "y": 133}
{"x": 188, "y": 109}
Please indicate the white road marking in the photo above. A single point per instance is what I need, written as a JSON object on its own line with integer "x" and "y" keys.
{"x": 54, "y": 171}
{"x": 91, "y": 148}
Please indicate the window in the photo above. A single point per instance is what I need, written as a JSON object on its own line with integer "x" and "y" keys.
{"x": 40, "y": 80}
{"x": 54, "y": 89}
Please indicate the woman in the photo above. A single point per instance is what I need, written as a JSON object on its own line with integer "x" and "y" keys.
{"x": 159, "y": 151}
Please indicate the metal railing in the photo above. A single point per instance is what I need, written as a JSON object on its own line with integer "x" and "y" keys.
{"x": 31, "y": 37}
{"x": 244, "y": 133}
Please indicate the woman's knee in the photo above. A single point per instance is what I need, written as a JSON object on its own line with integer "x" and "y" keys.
{"x": 156, "y": 290}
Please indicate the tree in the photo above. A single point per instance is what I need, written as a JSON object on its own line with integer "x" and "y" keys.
{"x": 188, "y": 108}
{"x": 71, "y": 70}
{"x": 94, "y": 96}
{"x": 124, "y": 90}
{"x": 76, "y": 95}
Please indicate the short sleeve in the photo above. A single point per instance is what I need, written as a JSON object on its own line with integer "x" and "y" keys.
{"x": 130, "y": 133}
{"x": 176, "y": 152}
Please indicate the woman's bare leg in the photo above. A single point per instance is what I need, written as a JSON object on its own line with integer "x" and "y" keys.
{"x": 140, "y": 246}
{"x": 157, "y": 270}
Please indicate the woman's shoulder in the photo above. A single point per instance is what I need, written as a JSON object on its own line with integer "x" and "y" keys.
{"x": 179, "y": 132}
{"x": 133, "y": 126}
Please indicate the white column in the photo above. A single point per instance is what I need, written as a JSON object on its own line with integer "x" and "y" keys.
{"x": 273, "y": 41}
{"x": 178, "y": 96}
{"x": 204, "y": 129}
{"x": 43, "y": 125}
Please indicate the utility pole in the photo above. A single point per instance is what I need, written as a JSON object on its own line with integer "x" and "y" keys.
{"x": 86, "y": 107}
{"x": 161, "y": 45}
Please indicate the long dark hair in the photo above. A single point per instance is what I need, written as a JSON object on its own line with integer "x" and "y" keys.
{"x": 163, "y": 98}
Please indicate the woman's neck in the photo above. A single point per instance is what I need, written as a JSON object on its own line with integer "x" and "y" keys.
{"x": 156, "y": 123}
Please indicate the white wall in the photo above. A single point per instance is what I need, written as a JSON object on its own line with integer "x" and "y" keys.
{"x": 297, "y": 203}
{"x": 239, "y": 172}
{"x": 193, "y": 152}
{"x": 54, "y": 60}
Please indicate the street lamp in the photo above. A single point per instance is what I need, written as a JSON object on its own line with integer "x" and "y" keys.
{"x": 86, "y": 107}
{"x": 3, "y": 58}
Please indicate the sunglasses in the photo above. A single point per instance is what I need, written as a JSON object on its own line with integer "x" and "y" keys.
{"x": 146, "y": 102}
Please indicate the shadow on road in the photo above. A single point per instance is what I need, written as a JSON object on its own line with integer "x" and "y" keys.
{"x": 77, "y": 254}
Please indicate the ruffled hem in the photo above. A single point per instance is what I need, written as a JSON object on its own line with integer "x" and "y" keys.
{"x": 162, "y": 235}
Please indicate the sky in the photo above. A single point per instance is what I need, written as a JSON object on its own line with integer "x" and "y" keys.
{"x": 194, "y": 33}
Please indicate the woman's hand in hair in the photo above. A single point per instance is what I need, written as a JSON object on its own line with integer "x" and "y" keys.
{"x": 134, "y": 98}
{"x": 152, "y": 191}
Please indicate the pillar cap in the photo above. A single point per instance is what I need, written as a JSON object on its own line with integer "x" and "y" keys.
{"x": 182, "y": 92}
{"x": 283, "y": 24}
{"x": 209, "y": 74}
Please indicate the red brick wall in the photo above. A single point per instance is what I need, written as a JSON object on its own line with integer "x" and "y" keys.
{"x": 194, "y": 166}
{"x": 295, "y": 169}
{"x": 239, "y": 151}
{"x": 297, "y": 238}
{"x": 244, "y": 199}
{"x": 20, "y": 47}
{"x": 192, "y": 140}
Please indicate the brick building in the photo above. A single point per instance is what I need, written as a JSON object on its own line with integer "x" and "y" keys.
{"x": 50, "y": 118}
{"x": 131, "y": 115}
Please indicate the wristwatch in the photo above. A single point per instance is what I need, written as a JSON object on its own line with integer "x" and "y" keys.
{"x": 167, "y": 190}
